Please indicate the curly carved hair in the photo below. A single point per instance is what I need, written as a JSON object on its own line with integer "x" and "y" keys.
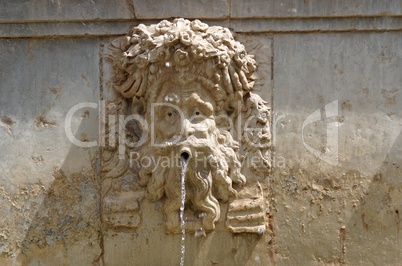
{"x": 182, "y": 48}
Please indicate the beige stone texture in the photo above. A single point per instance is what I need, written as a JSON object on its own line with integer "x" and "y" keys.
{"x": 48, "y": 187}
{"x": 314, "y": 8}
{"x": 207, "y": 9}
{"x": 326, "y": 68}
{"x": 227, "y": 193}
{"x": 345, "y": 210}
{"x": 42, "y": 10}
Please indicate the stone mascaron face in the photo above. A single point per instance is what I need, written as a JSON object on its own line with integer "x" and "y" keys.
{"x": 184, "y": 110}
{"x": 192, "y": 86}
{"x": 184, "y": 125}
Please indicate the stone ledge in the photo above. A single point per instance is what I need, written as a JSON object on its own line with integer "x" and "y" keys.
{"x": 12, "y": 11}
{"x": 63, "y": 29}
{"x": 285, "y": 25}
{"x": 113, "y": 28}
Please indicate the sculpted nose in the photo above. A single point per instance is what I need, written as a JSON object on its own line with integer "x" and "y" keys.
{"x": 187, "y": 128}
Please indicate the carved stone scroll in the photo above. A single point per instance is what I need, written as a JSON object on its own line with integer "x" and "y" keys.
{"x": 186, "y": 89}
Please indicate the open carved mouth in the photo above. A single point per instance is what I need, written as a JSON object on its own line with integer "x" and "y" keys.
{"x": 185, "y": 155}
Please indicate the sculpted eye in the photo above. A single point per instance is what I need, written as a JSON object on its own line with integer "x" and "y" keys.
{"x": 169, "y": 115}
{"x": 197, "y": 112}
{"x": 198, "y": 116}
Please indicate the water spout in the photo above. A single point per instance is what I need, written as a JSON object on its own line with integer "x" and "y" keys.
{"x": 185, "y": 154}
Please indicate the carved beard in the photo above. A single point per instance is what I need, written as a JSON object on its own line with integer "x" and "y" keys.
{"x": 212, "y": 167}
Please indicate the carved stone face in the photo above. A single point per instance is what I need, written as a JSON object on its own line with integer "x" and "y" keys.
{"x": 182, "y": 77}
{"x": 183, "y": 115}
{"x": 183, "y": 111}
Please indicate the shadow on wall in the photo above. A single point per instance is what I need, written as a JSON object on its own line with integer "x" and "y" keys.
{"x": 66, "y": 229}
{"x": 151, "y": 245}
{"x": 49, "y": 216}
{"x": 62, "y": 220}
{"x": 375, "y": 228}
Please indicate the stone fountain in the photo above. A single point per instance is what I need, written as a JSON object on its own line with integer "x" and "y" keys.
{"x": 187, "y": 140}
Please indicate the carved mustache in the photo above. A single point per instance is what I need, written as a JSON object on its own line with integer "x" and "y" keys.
{"x": 190, "y": 142}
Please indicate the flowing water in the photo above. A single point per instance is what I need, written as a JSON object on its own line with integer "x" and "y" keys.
{"x": 183, "y": 201}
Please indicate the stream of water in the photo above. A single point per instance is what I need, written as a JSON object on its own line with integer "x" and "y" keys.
{"x": 183, "y": 201}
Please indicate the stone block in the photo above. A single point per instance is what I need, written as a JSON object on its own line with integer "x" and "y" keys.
{"x": 150, "y": 245}
{"x": 155, "y": 9}
{"x": 42, "y": 10}
{"x": 337, "y": 136}
{"x": 48, "y": 186}
{"x": 314, "y": 8}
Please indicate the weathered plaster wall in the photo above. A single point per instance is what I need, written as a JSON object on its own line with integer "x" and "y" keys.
{"x": 347, "y": 212}
{"x": 311, "y": 53}
{"x": 49, "y": 194}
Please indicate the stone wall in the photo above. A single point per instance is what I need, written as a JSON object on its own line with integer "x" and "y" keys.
{"x": 331, "y": 71}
